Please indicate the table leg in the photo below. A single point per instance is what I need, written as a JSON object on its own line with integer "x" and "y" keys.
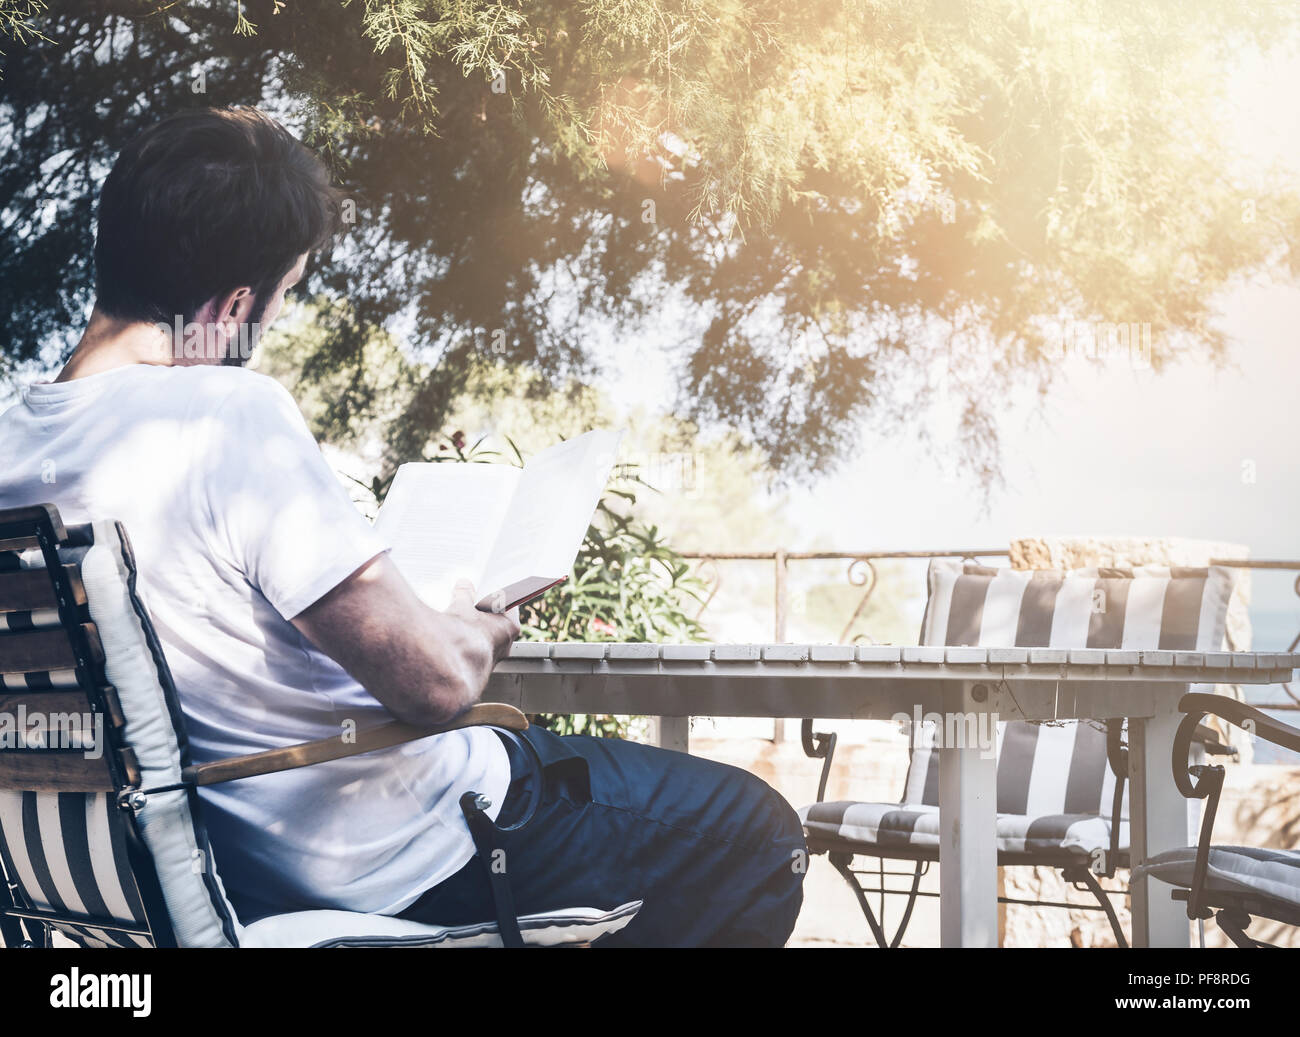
{"x": 968, "y": 858}
{"x": 1158, "y": 822}
{"x": 672, "y": 733}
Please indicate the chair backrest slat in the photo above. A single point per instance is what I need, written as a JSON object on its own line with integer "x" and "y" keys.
{"x": 34, "y": 700}
{"x": 64, "y": 842}
{"x": 55, "y": 770}
{"x": 20, "y": 527}
{"x": 36, "y": 651}
{"x": 27, "y": 589}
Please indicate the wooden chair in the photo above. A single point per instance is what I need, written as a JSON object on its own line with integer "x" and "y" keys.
{"x": 101, "y": 833}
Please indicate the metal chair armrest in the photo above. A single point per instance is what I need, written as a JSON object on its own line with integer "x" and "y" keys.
{"x": 1117, "y": 757}
{"x": 1238, "y": 714}
{"x": 818, "y": 745}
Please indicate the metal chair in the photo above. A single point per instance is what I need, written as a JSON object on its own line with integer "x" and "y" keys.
{"x": 1231, "y": 884}
{"x": 1079, "y": 825}
{"x": 101, "y": 833}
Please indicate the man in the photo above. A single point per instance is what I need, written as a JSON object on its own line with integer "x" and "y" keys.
{"x": 284, "y": 619}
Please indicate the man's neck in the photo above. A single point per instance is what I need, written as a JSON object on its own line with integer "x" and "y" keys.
{"x": 109, "y": 342}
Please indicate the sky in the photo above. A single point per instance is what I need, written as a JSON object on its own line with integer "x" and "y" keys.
{"x": 1112, "y": 450}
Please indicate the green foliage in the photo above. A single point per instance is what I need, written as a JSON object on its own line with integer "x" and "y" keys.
{"x": 16, "y": 20}
{"x": 825, "y": 205}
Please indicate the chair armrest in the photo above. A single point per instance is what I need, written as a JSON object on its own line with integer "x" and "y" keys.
{"x": 1239, "y": 714}
{"x": 304, "y": 754}
{"x": 818, "y": 745}
{"x": 1197, "y": 705}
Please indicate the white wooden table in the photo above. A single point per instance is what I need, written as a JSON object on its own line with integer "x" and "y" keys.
{"x": 675, "y": 682}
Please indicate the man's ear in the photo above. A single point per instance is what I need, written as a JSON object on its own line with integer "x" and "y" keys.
{"x": 220, "y": 318}
{"x": 234, "y": 309}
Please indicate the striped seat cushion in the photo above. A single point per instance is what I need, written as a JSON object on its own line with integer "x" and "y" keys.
{"x": 1235, "y": 871}
{"x": 913, "y": 830}
{"x": 873, "y": 825}
{"x": 67, "y": 852}
{"x": 1055, "y": 787}
{"x": 350, "y": 929}
{"x": 1058, "y": 768}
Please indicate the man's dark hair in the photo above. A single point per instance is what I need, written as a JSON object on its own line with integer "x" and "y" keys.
{"x": 206, "y": 201}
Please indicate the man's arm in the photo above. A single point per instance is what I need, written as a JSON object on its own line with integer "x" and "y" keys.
{"x": 426, "y": 666}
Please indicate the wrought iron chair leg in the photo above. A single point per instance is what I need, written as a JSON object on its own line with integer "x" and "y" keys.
{"x": 911, "y": 903}
{"x": 818, "y": 745}
{"x": 1094, "y": 887}
{"x": 840, "y": 862}
{"x": 1234, "y": 923}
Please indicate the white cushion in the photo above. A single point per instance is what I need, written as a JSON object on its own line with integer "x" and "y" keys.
{"x": 349, "y": 929}
{"x": 201, "y": 916}
{"x": 880, "y": 827}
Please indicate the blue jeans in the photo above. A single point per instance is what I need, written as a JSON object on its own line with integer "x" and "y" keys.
{"x": 715, "y": 854}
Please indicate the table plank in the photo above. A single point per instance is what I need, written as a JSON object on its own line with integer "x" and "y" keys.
{"x": 578, "y": 650}
{"x": 785, "y": 653}
{"x": 879, "y": 654}
{"x": 737, "y": 653}
{"x": 687, "y": 653}
{"x": 831, "y": 653}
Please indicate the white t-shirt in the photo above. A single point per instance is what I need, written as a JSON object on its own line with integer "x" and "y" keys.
{"x": 238, "y": 524}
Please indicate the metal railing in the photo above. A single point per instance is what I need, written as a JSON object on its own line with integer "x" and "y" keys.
{"x": 860, "y": 572}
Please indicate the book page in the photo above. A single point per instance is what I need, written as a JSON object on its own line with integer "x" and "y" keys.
{"x": 441, "y": 520}
{"x": 552, "y": 507}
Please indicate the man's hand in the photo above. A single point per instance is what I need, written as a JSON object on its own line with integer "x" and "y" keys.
{"x": 426, "y": 666}
{"x": 501, "y": 628}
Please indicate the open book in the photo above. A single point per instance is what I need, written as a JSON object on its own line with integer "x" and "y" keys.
{"x": 512, "y": 532}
